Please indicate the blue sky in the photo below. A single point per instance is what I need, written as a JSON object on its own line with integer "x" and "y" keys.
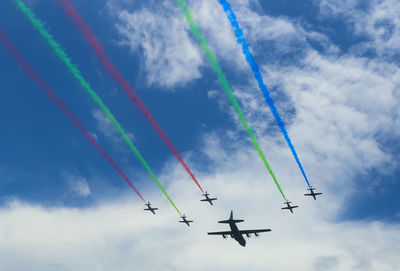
{"x": 331, "y": 66}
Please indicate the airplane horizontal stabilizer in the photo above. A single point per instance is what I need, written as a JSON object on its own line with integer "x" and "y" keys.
{"x": 231, "y": 221}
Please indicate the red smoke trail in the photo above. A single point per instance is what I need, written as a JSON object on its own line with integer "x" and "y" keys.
{"x": 98, "y": 47}
{"x": 29, "y": 71}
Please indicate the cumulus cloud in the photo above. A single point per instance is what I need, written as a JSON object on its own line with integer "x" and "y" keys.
{"x": 105, "y": 126}
{"x": 342, "y": 104}
{"x": 119, "y": 235}
{"x": 78, "y": 185}
{"x": 170, "y": 56}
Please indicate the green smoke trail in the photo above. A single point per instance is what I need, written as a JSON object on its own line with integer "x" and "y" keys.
{"x": 39, "y": 26}
{"x": 187, "y": 13}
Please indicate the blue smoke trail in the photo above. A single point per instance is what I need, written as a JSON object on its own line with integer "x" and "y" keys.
{"x": 256, "y": 71}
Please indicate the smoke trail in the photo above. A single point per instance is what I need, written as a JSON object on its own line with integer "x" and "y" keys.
{"x": 35, "y": 77}
{"x": 98, "y": 47}
{"x": 187, "y": 13}
{"x": 256, "y": 71}
{"x": 38, "y": 25}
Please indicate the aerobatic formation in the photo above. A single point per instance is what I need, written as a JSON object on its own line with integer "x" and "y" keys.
{"x": 99, "y": 50}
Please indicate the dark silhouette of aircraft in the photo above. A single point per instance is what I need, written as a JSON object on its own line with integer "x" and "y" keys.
{"x": 210, "y": 200}
{"x": 289, "y": 207}
{"x": 312, "y": 193}
{"x": 149, "y": 208}
{"x": 187, "y": 222}
{"x": 235, "y": 233}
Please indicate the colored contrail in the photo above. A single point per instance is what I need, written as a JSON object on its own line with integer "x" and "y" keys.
{"x": 187, "y": 14}
{"x": 36, "y": 77}
{"x": 98, "y": 47}
{"x": 256, "y": 71}
{"x": 38, "y": 25}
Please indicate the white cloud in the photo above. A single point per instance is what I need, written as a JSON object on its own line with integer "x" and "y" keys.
{"x": 329, "y": 8}
{"x": 170, "y": 56}
{"x": 78, "y": 185}
{"x": 343, "y": 105}
{"x": 119, "y": 235}
{"x": 105, "y": 126}
{"x": 379, "y": 21}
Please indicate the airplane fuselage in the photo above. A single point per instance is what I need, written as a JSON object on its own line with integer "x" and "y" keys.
{"x": 313, "y": 195}
{"x": 236, "y": 234}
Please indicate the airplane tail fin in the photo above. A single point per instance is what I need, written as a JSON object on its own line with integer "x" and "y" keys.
{"x": 231, "y": 220}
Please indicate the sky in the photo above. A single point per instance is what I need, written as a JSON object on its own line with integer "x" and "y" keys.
{"x": 332, "y": 68}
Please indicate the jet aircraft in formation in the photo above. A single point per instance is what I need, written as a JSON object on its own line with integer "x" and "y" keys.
{"x": 210, "y": 200}
{"x": 149, "y": 208}
{"x": 289, "y": 207}
{"x": 184, "y": 220}
{"x": 235, "y": 233}
{"x": 312, "y": 193}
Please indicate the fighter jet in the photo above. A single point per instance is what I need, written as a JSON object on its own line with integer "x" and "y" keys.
{"x": 312, "y": 193}
{"x": 149, "y": 208}
{"x": 187, "y": 222}
{"x": 210, "y": 200}
{"x": 235, "y": 233}
{"x": 289, "y": 207}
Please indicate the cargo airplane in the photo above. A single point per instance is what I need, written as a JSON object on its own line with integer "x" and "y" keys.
{"x": 235, "y": 233}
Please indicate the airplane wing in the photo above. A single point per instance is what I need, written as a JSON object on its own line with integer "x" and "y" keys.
{"x": 315, "y": 194}
{"x": 220, "y": 233}
{"x": 254, "y": 231}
